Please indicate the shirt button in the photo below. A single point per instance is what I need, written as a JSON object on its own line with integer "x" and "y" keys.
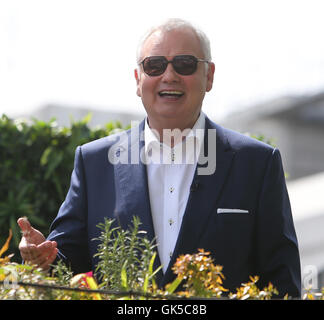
{"x": 170, "y": 222}
{"x": 170, "y": 254}
{"x": 171, "y": 189}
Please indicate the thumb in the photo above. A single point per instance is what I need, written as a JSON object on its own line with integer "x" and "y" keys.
{"x": 30, "y": 234}
{"x": 24, "y": 225}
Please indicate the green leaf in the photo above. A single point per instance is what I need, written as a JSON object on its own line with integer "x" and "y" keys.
{"x": 124, "y": 276}
{"x": 149, "y": 274}
{"x": 174, "y": 285}
{"x": 45, "y": 156}
{"x": 15, "y": 231}
{"x": 53, "y": 163}
{"x": 152, "y": 263}
{"x": 87, "y": 118}
{"x": 37, "y": 220}
{"x": 58, "y": 187}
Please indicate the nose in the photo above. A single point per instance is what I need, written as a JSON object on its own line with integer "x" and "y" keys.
{"x": 170, "y": 75}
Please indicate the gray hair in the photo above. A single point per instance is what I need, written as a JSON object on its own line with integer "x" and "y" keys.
{"x": 173, "y": 24}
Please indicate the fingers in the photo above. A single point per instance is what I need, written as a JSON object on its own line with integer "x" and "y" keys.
{"x": 27, "y": 251}
{"x": 48, "y": 253}
{"x": 45, "y": 249}
{"x": 42, "y": 255}
{"x": 49, "y": 260}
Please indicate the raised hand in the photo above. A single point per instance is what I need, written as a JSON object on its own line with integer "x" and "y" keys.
{"x": 34, "y": 248}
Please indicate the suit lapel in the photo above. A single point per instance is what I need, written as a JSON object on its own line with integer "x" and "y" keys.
{"x": 132, "y": 197}
{"x": 131, "y": 182}
{"x": 204, "y": 193}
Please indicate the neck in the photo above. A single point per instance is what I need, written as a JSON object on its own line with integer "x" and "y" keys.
{"x": 171, "y": 132}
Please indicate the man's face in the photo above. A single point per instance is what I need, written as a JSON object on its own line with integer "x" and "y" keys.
{"x": 181, "y": 111}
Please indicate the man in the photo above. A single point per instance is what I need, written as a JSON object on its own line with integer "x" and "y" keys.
{"x": 238, "y": 208}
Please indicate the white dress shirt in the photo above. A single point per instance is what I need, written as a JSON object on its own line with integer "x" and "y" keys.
{"x": 170, "y": 173}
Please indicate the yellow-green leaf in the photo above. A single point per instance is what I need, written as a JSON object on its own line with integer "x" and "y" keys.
{"x": 174, "y": 285}
{"x": 124, "y": 277}
{"x": 6, "y": 245}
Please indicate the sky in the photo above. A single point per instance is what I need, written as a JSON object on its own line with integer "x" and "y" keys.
{"x": 82, "y": 53}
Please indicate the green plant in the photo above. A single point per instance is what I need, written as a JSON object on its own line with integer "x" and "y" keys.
{"x": 197, "y": 272}
{"x": 126, "y": 258}
{"x": 62, "y": 273}
{"x": 35, "y": 168}
{"x": 17, "y": 205}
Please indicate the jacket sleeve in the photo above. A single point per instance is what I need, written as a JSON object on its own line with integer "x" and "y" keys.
{"x": 277, "y": 256}
{"x": 69, "y": 228}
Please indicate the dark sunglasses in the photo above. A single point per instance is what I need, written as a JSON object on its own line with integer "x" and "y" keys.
{"x": 183, "y": 64}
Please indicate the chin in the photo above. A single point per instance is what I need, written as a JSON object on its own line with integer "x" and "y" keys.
{"x": 171, "y": 115}
{"x": 170, "y": 109}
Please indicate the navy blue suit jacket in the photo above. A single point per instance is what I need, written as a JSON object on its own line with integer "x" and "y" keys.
{"x": 248, "y": 176}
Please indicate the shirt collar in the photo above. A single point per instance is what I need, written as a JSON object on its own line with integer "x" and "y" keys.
{"x": 197, "y": 132}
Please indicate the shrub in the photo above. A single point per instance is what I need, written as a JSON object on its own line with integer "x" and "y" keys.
{"x": 125, "y": 277}
{"x": 35, "y": 168}
{"x": 126, "y": 258}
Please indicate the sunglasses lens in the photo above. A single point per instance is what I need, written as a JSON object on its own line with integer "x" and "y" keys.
{"x": 154, "y": 66}
{"x": 185, "y": 65}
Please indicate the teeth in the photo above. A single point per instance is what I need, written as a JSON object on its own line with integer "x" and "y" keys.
{"x": 178, "y": 93}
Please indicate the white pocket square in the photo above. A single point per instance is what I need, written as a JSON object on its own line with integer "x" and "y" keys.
{"x": 225, "y": 210}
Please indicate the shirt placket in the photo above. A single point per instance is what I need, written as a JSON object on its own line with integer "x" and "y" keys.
{"x": 171, "y": 207}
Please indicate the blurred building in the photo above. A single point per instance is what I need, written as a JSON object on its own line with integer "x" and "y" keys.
{"x": 296, "y": 125}
{"x": 64, "y": 115}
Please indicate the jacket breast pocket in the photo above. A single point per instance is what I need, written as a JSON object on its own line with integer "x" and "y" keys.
{"x": 234, "y": 223}
{"x": 230, "y": 236}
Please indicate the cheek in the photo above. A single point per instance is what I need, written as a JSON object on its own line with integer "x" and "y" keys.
{"x": 196, "y": 88}
{"x": 148, "y": 88}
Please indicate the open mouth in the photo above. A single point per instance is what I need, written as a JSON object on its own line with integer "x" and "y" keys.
{"x": 171, "y": 93}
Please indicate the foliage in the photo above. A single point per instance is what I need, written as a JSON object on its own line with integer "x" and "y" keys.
{"x": 4, "y": 249}
{"x": 309, "y": 295}
{"x": 35, "y": 168}
{"x": 204, "y": 279}
{"x": 251, "y": 291}
{"x": 126, "y": 258}
{"x": 200, "y": 277}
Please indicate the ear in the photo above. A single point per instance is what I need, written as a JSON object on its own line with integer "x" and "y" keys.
{"x": 137, "y": 77}
{"x": 210, "y": 76}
